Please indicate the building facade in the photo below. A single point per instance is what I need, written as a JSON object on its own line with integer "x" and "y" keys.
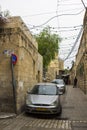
{"x": 15, "y": 80}
{"x": 81, "y": 59}
{"x": 54, "y": 68}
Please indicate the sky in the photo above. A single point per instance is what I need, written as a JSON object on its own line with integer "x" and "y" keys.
{"x": 65, "y": 17}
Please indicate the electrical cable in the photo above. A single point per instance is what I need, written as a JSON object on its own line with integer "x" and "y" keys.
{"x": 75, "y": 28}
{"x": 69, "y": 30}
{"x": 31, "y": 15}
{"x": 72, "y": 26}
{"x": 39, "y": 14}
{"x": 74, "y": 44}
{"x": 57, "y": 13}
{"x": 83, "y": 4}
{"x": 71, "y": 4}
{"x": 55, "y": 17}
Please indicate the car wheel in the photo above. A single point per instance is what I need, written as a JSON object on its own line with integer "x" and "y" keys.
{"x": 60, "y": 110}
{"x": 64, "y": 90}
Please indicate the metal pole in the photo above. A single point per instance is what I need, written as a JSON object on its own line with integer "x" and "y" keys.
{"x": 14, "y": 85}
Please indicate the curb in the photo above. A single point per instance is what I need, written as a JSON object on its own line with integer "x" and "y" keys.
{"x": 7, "y": 115}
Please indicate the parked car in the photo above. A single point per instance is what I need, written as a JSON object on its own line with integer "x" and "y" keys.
{"x": 60, "y": 84}
{"x": 43, "y": 99}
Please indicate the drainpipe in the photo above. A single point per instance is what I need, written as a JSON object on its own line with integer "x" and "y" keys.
{"x": 14, "y": 86}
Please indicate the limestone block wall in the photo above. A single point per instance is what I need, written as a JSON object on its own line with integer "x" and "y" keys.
{"x": 81, "y": 58}
{"x": 15, "y": 40}
{"x": 61, "y": 64}
{"x": 51, "y": 73}
{"x": 53, "y": 69}
{"x": 81, "y": 75}
{"x": 27, "y": 72}
{"x": 85, "y": 74}
{"x": 40, "y": 68}
{"x": 6, "y": 87}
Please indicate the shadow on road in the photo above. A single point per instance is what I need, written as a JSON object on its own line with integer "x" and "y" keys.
{"x": 48, "y": 116}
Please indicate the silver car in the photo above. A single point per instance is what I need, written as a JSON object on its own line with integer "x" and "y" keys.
{"x": 60, "y": 84}
{"x": 43, "y": 99}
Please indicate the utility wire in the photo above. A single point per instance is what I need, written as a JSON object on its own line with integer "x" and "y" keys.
{"x": 46, "y": 13}
{"x": 55, "y": 17}
{"x": 57, "y": 13}
{"x": 74, "y": 44}
{"x": 69, "y": 30}
{"x": 83, "y": 4}
{"x": 63, "y": 0}
{"x": 62, "y": 27}
{"x": 71, "y": 57}
{"x": 71, "y": 26}
{"x": 39, "y": 14}
{"x": 68, "y": 37}
{"x": 71, "y": 4}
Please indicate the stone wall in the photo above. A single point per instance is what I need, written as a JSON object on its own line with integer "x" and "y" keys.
{"x": 16, "y": 38}
{"x": 81, "y": 59}
{"x": 53, "y": 69}
{"x": 82, "y": 74}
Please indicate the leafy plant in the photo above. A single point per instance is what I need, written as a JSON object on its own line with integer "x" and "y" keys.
{"x": 48, "y": 45}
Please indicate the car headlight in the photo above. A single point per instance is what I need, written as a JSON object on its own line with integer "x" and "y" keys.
{"x": 28, "y": 102}
{"x": 62, "y": 87}
{"x": 54, "y": 103}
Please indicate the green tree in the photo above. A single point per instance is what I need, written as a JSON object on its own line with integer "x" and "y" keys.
{"x": 48, "y": 45}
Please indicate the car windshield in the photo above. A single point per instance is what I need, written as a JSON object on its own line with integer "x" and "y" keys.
{"x": 58, "y": 81}
{"x": 44, "y": 90}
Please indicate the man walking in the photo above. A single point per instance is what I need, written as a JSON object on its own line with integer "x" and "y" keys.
{"x": 75, "y": 82}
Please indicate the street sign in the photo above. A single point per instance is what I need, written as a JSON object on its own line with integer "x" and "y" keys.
{"x": 14, "y": 59}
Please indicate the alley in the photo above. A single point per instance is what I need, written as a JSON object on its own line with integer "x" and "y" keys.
{"x": 74, "y": 115}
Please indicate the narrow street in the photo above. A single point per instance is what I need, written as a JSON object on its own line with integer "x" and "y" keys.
{"x": 43, "y": 47}
{"x": 74, "y": 115}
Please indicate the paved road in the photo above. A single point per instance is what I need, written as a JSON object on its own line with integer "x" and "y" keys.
{"x": 75, "y": 108}
{"x": 74, "y": 115}
{"x": 29, "y": 122}
{"x": 75, "y": 104}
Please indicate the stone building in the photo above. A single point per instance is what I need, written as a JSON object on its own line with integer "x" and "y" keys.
{"x": 81, "y": 58}
{"x": 15, "y": 80}
{"x": 54, "y": 67}
{"x": 61, "y": 67}
{"x": 61, "y": 64}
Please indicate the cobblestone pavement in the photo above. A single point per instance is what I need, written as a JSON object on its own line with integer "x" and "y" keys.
{"x": 74, "y": 115}
{"x": 26, "y": 122}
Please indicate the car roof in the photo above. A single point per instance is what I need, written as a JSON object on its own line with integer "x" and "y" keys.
{"x": 45, "y": 83}
{"x": 57, "y": 79}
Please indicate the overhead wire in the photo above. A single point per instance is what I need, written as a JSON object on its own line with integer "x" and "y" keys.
{"x": 46, "y": 13}
{"x": 57, "y": 13}
{"x": 83, "y": 4}
{"x": 77, "y": 37}
{"x": 55, "y": 17}
{"x": 74, "y": 44}
{"x": 39, "y": 14}
{"x": 75, "y": 27}
{"x": 72, "y": 26}
{"x": 69, "y": 30}
{"x": 71, "y": 4}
